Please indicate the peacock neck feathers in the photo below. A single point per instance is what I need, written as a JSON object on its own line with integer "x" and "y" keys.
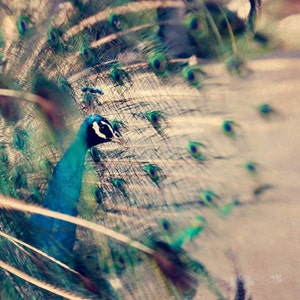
{"x": 65, "y": 184}
{"x": 54, "y": 236}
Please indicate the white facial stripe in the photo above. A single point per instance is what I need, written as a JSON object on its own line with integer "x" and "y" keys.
{"x": 97, "y": 131}
{"x": 111, "y": 130}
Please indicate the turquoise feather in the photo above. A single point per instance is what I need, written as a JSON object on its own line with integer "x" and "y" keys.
{"x": 57, "y": 237}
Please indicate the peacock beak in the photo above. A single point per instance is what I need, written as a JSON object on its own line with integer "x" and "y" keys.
{"x": 117, "y": 138}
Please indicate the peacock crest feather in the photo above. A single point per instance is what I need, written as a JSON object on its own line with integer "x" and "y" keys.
{"x": 84, "y": 218}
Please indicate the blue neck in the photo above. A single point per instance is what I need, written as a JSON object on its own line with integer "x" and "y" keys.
{"x": 65, "y": 184}
{"x": 54, "y": 236}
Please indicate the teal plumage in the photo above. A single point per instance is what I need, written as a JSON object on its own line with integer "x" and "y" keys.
{"x": 186, "y": 158}
{"x": 57, "y": 237}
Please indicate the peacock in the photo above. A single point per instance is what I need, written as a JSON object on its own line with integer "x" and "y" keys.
{"x": 64, "y": 188}
{"x": 134, "y": 139}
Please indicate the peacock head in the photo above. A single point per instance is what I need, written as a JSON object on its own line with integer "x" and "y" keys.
{"x": 98, "y": 130}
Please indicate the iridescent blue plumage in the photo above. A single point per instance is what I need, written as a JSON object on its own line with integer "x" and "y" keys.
{"x": 54, "y": 236}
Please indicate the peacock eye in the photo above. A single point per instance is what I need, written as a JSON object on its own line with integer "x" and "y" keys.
{"x": 118, "y": 76}
{"x": 53, "y": 37}
{"x": 193, "y": 23}
{"x": 208, "y": 196}
{"x": 22, "y": 24}
{"x": 192, "y": 75}
{"x": 153, "y": 172}
{"x": 155, "y": 118}
{"x": 166, "y": 225}
{"x": 158, "y": 63}
{"x": 119, "y": 183}
{"x": 265, "y": 109}
{"x": 228, "y": 127}
{"x": 115, "y": 21}
{"x": 87, "y": 55}
{"x": 251, "y": 167}
{"x": 194, "y": 148}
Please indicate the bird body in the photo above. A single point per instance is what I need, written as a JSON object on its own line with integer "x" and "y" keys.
{"x": 64, "y": 189}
